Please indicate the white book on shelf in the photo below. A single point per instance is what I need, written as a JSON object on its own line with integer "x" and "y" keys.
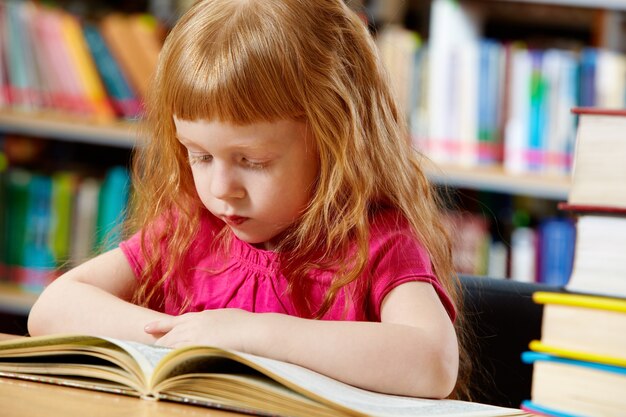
{"x": 559, "y": 70}
{"x": 452, "y": 87}
{"x": 610, "y": 81}
{"x": 517, "y": 126}
{"x": 83, "y": 236}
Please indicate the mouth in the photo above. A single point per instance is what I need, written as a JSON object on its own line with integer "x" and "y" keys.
{"x": 234, "y": 220}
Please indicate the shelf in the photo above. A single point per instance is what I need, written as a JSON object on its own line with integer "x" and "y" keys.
{"x": 74, "y": 129}
{"x": 495, "y": 179}
{"x": 594, "y": 4}
{"x": 123, "y": 134}
{"x": 14, "y": 300}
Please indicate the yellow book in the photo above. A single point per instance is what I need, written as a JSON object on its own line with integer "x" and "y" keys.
{"x": 538, "y": 346}
{"x": 579, "y": 300}
{"x": 86, "y": 68}
{"x": 583, "y": 327}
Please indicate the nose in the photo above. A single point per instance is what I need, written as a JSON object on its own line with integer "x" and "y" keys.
{"x": 224, "y": 183}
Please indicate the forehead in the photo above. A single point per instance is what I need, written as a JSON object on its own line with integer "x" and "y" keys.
{"x": 253, "y": 134}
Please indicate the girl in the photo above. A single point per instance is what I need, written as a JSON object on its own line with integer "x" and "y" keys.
{"x": 279, "y": 208}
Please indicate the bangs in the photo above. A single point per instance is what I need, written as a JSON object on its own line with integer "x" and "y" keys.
{"x": 232, "y": 73}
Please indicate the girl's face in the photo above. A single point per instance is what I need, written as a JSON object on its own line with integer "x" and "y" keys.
{"x": 257, "y": 178}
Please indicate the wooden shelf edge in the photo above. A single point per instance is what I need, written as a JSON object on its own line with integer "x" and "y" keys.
{"x": 14, "y": 300}
{"x": 69, "y": 128}
{"x": 496, "y": 179}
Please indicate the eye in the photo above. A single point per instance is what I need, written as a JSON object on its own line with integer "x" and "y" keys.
{"x": 253, "y": 164}
{"x": 200, "y": 158}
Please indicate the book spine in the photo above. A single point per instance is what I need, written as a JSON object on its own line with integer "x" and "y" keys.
{"x": 91, "y": 86}
{"x": 557, "y": 241}
{"x": 124, "y": 99}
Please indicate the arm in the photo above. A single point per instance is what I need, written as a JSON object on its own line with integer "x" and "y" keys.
{"x": 413, "y": 351}
{"x": 93, "y": 299}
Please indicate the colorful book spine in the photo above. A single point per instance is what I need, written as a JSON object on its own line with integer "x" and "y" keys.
{"x": 557, "y": 237}
{"x": 124, "y": 99}
{"x": 38, "y": 262}
{"x": 112, "y": 203}
{"x": 541, "y": 410}
{"x": 17, "y": 186}
{"x": 22, "y": 75}
{"x": 63, "y": 191}
{"x": 81, "y": 60}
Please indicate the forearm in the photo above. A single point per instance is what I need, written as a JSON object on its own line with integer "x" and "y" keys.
{"x": 382, "y": 357}
{"x": 76, "y": 307}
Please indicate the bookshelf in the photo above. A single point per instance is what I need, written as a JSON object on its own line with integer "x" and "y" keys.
{"x": 496, "y": 179}
{"x": 15, "y": 301}
{"x": 492, "y": 178}
{"x": 68, "y": 128}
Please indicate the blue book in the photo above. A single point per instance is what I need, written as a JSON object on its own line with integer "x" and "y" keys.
{"x": 545, "y": 411}
{"x": 122, "y": 95}
{"x": 112, "y": 203}
{"x": 38, "y": 260}
{"x": 587, "y": 77}
{"x": 557, "y": 238}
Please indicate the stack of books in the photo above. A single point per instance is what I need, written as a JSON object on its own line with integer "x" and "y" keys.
{"x": 579, "y": 365}
{"x": 598, "y": 200}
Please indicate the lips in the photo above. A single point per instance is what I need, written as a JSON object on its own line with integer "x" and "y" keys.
{"x": 234, "y": 220}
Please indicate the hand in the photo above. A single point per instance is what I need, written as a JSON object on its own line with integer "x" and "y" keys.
{"x": 225, "y": 328}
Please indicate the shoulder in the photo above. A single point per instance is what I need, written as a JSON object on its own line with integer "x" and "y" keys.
{"x": 398, "y": 256}
{"x": 392, "y": 235}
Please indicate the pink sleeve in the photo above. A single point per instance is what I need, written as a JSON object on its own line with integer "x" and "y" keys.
{"x": 398, "y": 258}
{"x": 131, "y": 248}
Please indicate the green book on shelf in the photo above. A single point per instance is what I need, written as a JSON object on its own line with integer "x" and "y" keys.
{"x": 63, "y": 191}
{"x": 3, "y": 220}
{"x": 17, "y": 185}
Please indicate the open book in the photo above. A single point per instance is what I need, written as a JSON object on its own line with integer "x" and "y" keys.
{"x": 209, "y": 377}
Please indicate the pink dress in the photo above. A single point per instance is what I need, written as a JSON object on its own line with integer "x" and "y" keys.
{"x": 251, "y": 278}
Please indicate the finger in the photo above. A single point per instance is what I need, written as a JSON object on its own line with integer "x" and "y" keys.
{"x": 160, "y": 326}
{"x": 171, "y": 341}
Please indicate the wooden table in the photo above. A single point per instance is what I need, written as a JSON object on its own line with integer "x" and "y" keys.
{"x": 27, "y": 399}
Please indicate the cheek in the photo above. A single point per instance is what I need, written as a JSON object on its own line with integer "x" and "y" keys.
{"x": 201, "y": 183}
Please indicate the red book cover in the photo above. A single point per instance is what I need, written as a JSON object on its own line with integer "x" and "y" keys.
{"x": 599, "y": 111}
{"x": 592, "y": 209}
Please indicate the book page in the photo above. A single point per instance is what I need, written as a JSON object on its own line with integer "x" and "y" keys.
{"x": 146, "y": 356}
{"x": 326, "y": 389}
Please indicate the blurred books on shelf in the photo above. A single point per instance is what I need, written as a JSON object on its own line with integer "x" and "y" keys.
{"x": 579, "y": 365}
{"x": 470, "y": 242}
{"x": 477, "y": 101}
{"x": 57, "y": 220}
{"x": 53, "y": 60}
{"x": 470, "y": 100}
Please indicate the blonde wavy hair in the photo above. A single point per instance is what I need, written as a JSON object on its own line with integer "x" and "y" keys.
{"x": 263, "y": 60}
